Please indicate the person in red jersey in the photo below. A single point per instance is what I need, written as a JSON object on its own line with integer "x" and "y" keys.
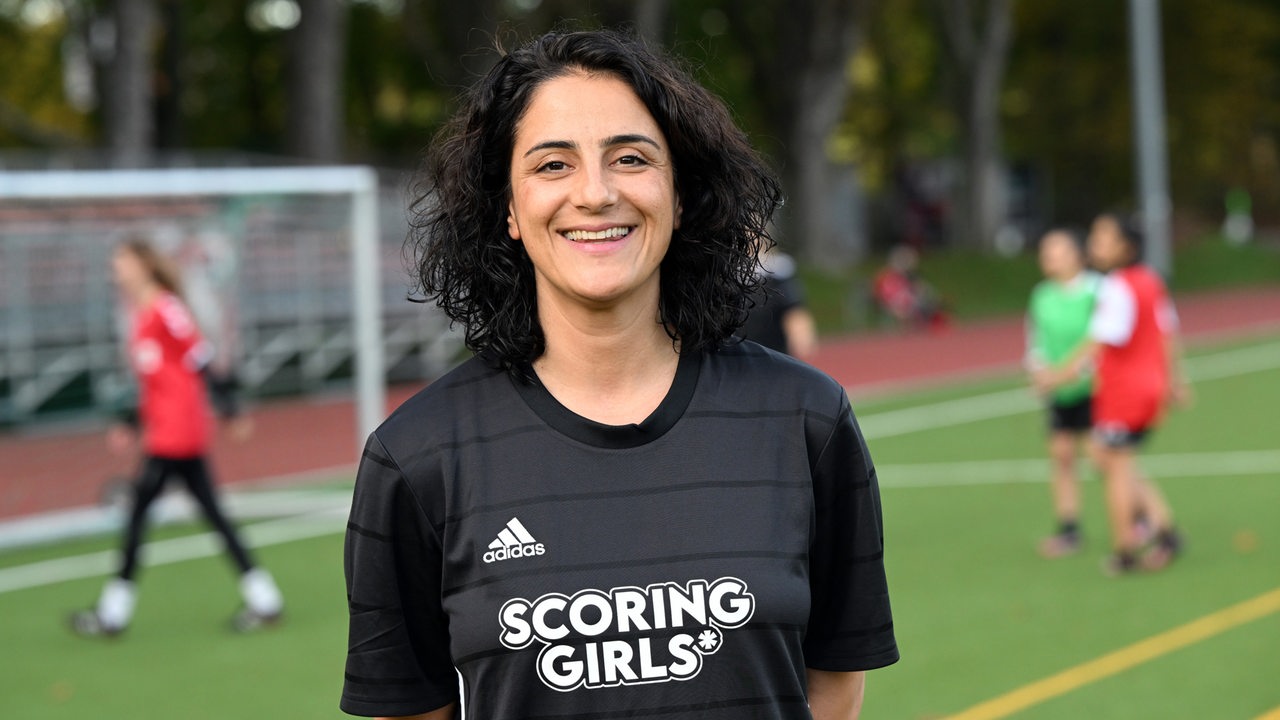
{"x": 171, "y": 362}
{"x": 1133, "y": 341}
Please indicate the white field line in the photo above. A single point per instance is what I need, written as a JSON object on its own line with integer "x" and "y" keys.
{"x": 1004, "y": 403}
{"x": 163, "y": 552}
{"x": 170, "y": 508}
{"x": 1002, "y": 472}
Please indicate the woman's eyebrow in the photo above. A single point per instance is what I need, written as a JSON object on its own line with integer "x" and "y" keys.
{"x": 627, "y": 139}
{"x": 552, "y": 145}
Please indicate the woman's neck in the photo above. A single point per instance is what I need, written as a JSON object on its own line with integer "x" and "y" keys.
{"x": 143, "y": 294}
{"x": 612, "y": 366}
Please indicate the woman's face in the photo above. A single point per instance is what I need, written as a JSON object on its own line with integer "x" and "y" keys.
{"x": 1107, "y": 247}
{"x": 593, "y": 196}
{"x": 128, "y": 270}
{"x": 1060, "y": 257}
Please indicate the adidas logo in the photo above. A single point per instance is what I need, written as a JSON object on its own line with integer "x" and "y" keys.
{"x": 513, "y": 542}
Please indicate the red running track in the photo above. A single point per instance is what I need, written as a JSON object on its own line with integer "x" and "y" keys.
{"x": 302, "y": 439}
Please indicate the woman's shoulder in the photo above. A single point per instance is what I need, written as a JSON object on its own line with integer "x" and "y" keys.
{"x": 470, "y": 389}
{"x": 754, "y": 369}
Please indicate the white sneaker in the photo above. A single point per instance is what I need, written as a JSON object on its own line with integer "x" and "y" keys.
{"x": 263, "y": 602}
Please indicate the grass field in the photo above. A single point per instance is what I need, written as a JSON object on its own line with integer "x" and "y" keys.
{"x": 979, "y": 614}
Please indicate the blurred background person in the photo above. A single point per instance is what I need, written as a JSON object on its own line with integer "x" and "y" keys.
{"x": 1133, "y": 340}
{"x": 778, "y": 317}
{"x": 171, "y": 362}
{"x": 901, "y": 295}
{"x": 1057, "y": 323}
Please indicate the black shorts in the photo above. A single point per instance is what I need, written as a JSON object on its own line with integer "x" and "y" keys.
{"x": 1073, "y": 417}
{"x": 1119, "y": 436}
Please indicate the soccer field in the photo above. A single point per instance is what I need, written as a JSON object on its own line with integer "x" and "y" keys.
{"x": 987, "y": 628}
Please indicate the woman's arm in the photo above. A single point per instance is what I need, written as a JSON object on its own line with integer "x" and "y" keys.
{"x": 835, "y": 695}
{"x": 448, "y": 712}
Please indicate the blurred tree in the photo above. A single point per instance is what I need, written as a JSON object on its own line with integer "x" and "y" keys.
{"x": 977, "y": 37}
{"x": 651, "y": 20}
{"x": 128, "y": 32}
{"x": 217, "y": 76}
{"x": 34, "y": 111}
{"x": 798, "y": 54}
{"x": 314, "y": 127}
{"x": 1067, "y": 102}
{"x": 170, "y": 76}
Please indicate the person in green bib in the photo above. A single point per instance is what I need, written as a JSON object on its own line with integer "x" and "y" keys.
{"x": 1057, "y": 323}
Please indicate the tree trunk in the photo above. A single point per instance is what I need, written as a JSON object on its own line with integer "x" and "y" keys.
{"x": 169, "y": 82}
{"x": 651, "y": 20}
{"x": 819, "y": 196}
{"x": 979, "y": 53}
{"x": 804, "y": 84}
{"x": 317, "y": 52}
{"x": 128, "y": 100}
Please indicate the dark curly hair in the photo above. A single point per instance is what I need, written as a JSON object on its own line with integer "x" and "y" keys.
{"x": 458, "y": 245}
{"x": 1129, "y": 225}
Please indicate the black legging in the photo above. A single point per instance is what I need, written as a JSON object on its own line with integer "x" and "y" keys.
{"x": 155, "y": 472}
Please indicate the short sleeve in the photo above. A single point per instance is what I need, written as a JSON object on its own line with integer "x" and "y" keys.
{"x": 1167, "y": 316}
{"x": 790, "y": 294}
{"x": 1034, "y": 356}
{"x": 183, "y": 333}
{"x": 398, "y": 660}
{"x": 1115, "y": 314}
{"x": 850, "y": 621}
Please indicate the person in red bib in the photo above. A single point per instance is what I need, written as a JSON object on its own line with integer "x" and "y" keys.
{"x": 1133, "y": 342}
{"x": 171, "y": 362}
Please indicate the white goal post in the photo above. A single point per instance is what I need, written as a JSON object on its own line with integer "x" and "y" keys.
{"x": 360, "y": 184}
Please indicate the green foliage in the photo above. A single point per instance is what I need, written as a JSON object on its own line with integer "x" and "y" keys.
{"x": 895, "y": 112}
{"x": 1068, "y": 96}
{"x": 33, "y": 110}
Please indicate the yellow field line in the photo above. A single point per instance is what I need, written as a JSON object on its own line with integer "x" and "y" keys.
{"x": 1125, "y": 658}
{"x": 1273, "y": 715}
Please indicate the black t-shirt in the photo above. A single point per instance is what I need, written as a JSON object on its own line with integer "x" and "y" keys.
{"x": 690, "y": 566}
{"x": 779, "y": 293}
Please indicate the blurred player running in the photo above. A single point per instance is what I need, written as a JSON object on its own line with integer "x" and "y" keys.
{"x": 1057, "y": 323}
{"x": 170, "y": 360}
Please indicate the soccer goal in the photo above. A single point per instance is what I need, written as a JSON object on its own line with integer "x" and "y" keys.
{"x": 295, "y": 274}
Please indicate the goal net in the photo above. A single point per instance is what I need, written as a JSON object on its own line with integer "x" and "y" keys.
{"x": 295, "y": 274}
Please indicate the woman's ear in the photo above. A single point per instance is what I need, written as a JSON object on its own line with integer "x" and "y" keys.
{"x": 513, "y": 227}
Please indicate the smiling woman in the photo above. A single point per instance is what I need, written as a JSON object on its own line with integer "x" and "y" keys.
{"x": 462, "y": 249}
{"x": 593, "y": 198}
{"x": 615, "y": 508}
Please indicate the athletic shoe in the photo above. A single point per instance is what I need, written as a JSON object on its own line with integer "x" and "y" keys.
{"x": 1167, "y": 548}
{"x": 247, "y": 621}
{"x": 87, "y": 623}
{"x": 1060, "y": 545}
{"x": 1117, "y": 564}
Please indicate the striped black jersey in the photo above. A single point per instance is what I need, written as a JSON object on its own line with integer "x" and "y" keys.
{"x": 689, "y": 566}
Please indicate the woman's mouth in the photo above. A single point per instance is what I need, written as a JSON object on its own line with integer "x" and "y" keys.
{"x": 595, "y": 236}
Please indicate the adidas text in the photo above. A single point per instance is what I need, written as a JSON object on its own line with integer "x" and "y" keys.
{"x": 515, "y": 551}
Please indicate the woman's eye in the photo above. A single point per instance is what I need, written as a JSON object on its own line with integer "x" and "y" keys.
{"x": 552, "y": 166}
{"x": 631, "y": 160}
